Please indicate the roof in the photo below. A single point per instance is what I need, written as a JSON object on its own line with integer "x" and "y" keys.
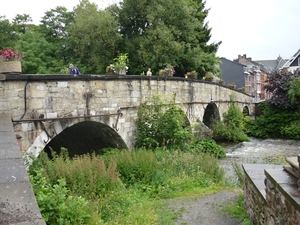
{"x": 266, "y": 65}
{"x": 234, "y": 62}
{"x": 291, "y": 60}
{"x": 271, "y": 65}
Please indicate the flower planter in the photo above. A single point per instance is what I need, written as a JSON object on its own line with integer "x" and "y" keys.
{"x": 168, "y": 73}
{"x": 10, "y": 67}
{"x": 193, "y": 76}
{"x": 221, "y": 82}
{"x": 121, "y": 71}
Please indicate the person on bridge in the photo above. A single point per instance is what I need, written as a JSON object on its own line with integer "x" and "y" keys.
{"x": 74, "y": 70}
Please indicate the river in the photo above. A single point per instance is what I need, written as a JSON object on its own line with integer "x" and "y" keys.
{"x": 263, "y": 151}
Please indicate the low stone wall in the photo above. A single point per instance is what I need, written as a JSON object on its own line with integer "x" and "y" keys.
{"x": 271, "y": 195}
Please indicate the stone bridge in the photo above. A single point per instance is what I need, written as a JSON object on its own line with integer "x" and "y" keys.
{"x": 91, "y": 112}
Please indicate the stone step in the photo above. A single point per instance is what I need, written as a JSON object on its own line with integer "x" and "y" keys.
{"x": 293, "y": 161}
{"x": 291, "y": 170}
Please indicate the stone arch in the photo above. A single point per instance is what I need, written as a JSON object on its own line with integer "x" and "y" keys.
{"x": 85, "y": 137}
{"x": 211, "y": 113}
{"x": 80, "y": 138}
{"x": 246, "y": 111}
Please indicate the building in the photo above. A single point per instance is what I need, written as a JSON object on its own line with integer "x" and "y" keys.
{"x": 232, "y": 72}
{"x": 251, "y": 75}
{"x": 293, "y": 63}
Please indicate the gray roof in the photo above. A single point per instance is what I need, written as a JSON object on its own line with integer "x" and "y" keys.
{"x": 271, "y": 65}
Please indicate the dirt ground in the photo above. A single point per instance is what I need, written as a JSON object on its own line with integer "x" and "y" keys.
{"x": 205, "y": 210}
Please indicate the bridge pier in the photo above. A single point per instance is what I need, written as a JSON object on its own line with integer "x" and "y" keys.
{"x": 17, "y": 200}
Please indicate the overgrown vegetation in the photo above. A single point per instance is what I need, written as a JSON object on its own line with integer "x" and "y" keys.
{"x": 129, "y": 193}
{"x": 275, "y": 123}
{"x": 283, "y": 86}
{"x": 280, "y": 113}
{"x": 232, "y": 126}
{"x": 162, "y": 124}
{"x": 126, "y": 187}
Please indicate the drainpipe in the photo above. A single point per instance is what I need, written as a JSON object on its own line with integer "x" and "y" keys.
{"x": 25, "y": 101}
{"x": 87, "y": 97}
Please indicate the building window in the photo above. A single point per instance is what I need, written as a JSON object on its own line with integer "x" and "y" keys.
{"x": 258, "y": 88}
{"x": 258, "y": 78}
{"x": 299, "y": 61}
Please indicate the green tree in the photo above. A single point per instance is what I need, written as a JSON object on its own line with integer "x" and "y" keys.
{"x": 156, "y": 33}
{"x": 232, "y": 126}
{"x": 95, "y": 37}
{"x": 284, "y": 88}
{"x": 8, "y": 36}
{"x": 294, "y": 91}
{"x": 54, "y": 27}
{"x": 38, "y": 57}
{"x": 22, "y": 23}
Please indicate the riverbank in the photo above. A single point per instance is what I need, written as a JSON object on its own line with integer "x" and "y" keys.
{"x": 207, "y": 210}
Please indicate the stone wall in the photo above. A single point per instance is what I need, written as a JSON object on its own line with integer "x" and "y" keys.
{"x": 271, "y": 195}
{"x": 58, "y": 96}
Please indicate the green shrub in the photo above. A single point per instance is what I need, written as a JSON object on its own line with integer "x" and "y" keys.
{"x": 55, "y": 203}
{"x": 207, "y": 146}
{"x": 232, "y": 126}
{"x": 138, "y": 165}
{"x": 161, "y": 123}
{"x": 274, "y": 123}
{"x": 291, "y": 130}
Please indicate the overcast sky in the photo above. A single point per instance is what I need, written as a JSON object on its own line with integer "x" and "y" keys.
{"x": 261, "y": 29}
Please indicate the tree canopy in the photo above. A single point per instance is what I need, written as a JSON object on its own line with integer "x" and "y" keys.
{"x": 284, "y": 87}
{"x": 154, "y": 33}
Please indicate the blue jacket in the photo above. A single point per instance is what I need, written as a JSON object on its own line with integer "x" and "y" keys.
{"x": 74, "y": 71}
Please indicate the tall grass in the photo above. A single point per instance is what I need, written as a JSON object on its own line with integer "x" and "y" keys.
{"x": 87, "y": 175}
{"x": 125, "y": 187}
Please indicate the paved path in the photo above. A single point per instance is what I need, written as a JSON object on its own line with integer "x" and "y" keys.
{"x": 18, "y": 205}
{"x": 206, "y": 210}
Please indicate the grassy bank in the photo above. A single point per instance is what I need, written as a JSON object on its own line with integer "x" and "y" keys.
{"x": 121, "y": 187}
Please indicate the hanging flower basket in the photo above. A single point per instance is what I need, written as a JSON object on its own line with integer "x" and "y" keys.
{"x": 7, "y": 67}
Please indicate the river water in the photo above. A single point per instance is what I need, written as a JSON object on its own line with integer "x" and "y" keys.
{"x": 263, "y": 151}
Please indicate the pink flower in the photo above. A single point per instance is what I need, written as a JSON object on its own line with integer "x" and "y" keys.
{"x": 10, "y": 55}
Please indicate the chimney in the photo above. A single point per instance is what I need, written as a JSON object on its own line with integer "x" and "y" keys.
{"x": 239, "y": 56}
{"x": 245, "y": 56}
